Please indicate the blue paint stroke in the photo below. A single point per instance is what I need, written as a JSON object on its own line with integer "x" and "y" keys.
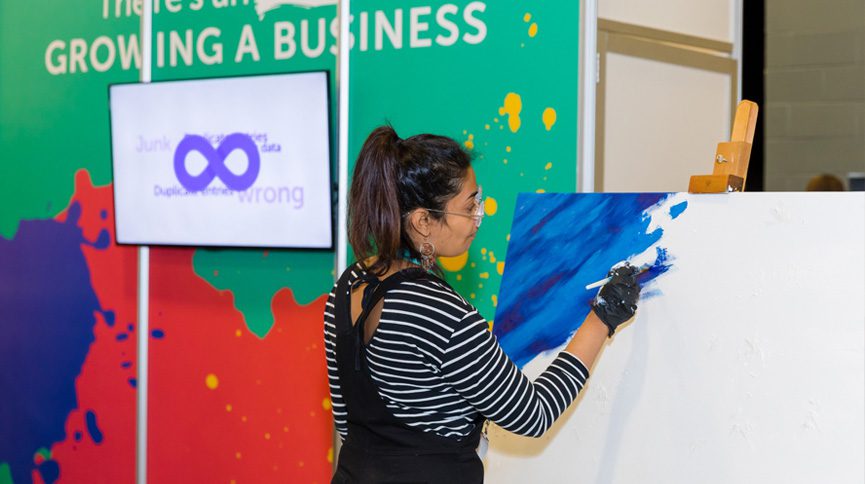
{"x": 93, "y": 427}
{"x": 47, "y": 316}
{"x": 559, "y": 244}
{"x": 122, "y": 336}
{"x": 110, "y": 317}
{"x": 677, "y": 209}
{"x": 49, "y": 471}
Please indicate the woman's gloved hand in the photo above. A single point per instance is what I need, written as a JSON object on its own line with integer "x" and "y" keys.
{"x": 616, "y": 301}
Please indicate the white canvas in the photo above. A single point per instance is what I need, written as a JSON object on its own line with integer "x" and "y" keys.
{"x": 745, "y": 363}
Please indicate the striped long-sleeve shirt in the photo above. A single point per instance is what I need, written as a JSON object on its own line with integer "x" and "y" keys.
{"x": 437, "y": 366}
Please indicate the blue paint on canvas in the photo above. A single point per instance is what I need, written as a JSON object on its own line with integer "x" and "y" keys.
{"x": 678, "y": 208}
{"x": 559, "y": 244}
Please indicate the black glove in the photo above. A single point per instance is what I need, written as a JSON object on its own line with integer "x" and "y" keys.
{"x": 616, "y": 302}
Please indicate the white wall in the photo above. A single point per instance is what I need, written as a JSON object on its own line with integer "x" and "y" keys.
{"x": 703, "y": 18}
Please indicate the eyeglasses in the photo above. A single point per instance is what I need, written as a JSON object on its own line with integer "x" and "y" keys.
{"x": 477, "y": 211}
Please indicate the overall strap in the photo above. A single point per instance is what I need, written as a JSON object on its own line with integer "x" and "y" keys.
{"x": 370, "y": 301}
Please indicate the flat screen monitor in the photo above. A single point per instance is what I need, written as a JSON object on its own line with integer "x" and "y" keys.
{"x": 234, "y": 162}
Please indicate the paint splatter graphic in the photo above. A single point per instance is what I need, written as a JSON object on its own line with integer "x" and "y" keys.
{"x": 67, "y": 412}
{"x": 70, "y": 408}
{"x": 561, "y": 243}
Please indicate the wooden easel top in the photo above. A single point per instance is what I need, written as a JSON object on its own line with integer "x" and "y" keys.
{"x": 732, "y": 157}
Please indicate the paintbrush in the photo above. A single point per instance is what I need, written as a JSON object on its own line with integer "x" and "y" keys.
{"x": 643, "y": 268}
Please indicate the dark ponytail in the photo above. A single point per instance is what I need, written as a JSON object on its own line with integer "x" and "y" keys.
{"x": 392, "y": 177}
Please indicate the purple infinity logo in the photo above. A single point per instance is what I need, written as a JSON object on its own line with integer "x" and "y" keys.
{"x": 216, "y": 162}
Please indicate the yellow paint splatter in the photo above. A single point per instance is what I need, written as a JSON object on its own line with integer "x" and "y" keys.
{"x": 330, "y": 455}
{"x": 533, "y": 29}
{"x": 238, "y": 455}
{"x": 211, "y": 381}
{"x": 512, "y": 107}
{"x": 473, "y": 265}
{"x": 492, "y": 257}
{"x": 508, "y": 149}
{"x": 470, "y": 143}
{"x": 548, "y": 165}
{"x": 484, "y": 275}
{"x": 508, "y": 238}
{"x": 325, "y": 404}
{"x": 490, "y": 324}
{"x": 501, "y": 127}
{"x": 487, "y": 127}
{"x": 527, "y": 17}
{"x": 228, "y": 408}
{"x": 480, "y": 286}
{"x": 483, "y": 250}
{"x": 500, "y": 267}
{"x": 540, "y": 190}
{"x": 495, "y": 300}
{"x": 285, "y": 429}
{"x": 491, "y": 206}
{"x": 549, "y": 118}
{"x": 505, "y": 161}
{"x": 459, "y": 277}
{"x": 472, "y": 295}
{"x": 267, "y": 436}
{"x": 454, "y": 264}
{"x": 238, "y": 333}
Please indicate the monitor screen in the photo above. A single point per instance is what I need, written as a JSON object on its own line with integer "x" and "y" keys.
{"x": 238, "y": 162}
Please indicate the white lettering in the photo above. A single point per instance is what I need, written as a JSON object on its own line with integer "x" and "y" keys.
{"x": 393, "y": 31}
{"x": 102, "y": 41}
{"x": 247, "y": 45}
{"x": 60, "y": 66}
{"x": 447, "y": 24}
{"x": 183, "y": 47}
{"x": 304, "y": 39}
{"x": 475, "y": 22}
{"x": 130, "y": 52}
{"x": 77, "y": 51}
{"x": 216, "y": 56}
{"x": 416, "y": 27}
{"x": 284, "y": 45}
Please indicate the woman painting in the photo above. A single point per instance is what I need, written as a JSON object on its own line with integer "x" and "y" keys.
{"x": 414, "y": 371}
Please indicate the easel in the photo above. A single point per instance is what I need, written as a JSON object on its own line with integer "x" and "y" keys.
{"x": 732, "y": 157}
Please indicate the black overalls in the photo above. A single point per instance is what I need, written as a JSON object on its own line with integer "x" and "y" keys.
{"x": 379, "y": 448}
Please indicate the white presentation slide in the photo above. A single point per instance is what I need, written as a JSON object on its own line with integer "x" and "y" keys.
{"x": 238, "y": 162}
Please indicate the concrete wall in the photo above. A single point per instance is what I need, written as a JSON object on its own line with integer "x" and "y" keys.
{"x": 815, "y": 90}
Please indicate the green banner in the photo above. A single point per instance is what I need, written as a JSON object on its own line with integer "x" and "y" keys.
{"x": 500, "y": 77}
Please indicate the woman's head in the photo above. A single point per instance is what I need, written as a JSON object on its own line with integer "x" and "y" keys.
{"x": 406, "y": 192}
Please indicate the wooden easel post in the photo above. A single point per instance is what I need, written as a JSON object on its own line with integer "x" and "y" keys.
{"x": 732, "y": 157}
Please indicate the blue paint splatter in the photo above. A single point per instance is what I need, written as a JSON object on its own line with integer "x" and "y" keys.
{"x": 130, "y": 327}
{"x": 47, "y": 307}
{"x": 559, "y": 244}
{"x": 157, "y": 333}
{"x": 77, "y": 436}
{"x": 678, "y": 208}
{"x": 93, "y": 427}
{"x": 133, "y": 382}
{"x": 126, "y": 364}
{"x": 110, "y": 318}
{"x": 103, "y": 214}
{"x": 103, "y": 240}
{"x": 121, "y": 336}
{"x": 49, "y": 471}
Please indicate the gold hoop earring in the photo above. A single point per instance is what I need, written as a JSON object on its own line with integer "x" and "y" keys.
{"x": 427, "y": 255}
